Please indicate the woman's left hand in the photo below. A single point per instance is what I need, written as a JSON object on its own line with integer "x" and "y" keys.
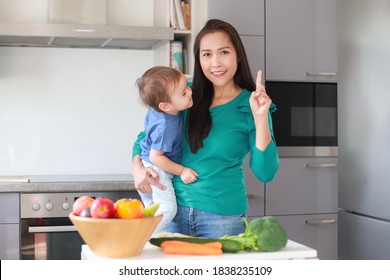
{"x": 259, "y": 100}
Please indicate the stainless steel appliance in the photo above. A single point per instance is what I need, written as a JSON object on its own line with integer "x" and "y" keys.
{"x": 46, "y": 231}
{"x": 364, "y": 132}
{"x": 305, "y": 122}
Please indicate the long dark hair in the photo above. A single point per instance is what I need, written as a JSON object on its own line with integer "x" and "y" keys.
{"x": 199, "y": 118}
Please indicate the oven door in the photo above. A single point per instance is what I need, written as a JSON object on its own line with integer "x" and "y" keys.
{"x": 305, "y": 122}
{"x": 50, "y": 239}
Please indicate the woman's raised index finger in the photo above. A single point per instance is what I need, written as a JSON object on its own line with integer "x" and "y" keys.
{"x": 258, "y": 80}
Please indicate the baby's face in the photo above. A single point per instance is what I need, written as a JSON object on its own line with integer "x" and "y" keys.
{"x": 181, "y": 96}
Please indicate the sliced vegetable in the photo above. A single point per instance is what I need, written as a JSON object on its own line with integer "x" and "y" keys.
{"x": 188, "y": 248}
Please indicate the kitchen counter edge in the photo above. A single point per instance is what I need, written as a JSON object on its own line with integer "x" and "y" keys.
{"x": 67, "y": 186}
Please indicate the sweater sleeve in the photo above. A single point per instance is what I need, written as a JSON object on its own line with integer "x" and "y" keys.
{"x": 137, "y": 147}
{"x": 264, "y": 164}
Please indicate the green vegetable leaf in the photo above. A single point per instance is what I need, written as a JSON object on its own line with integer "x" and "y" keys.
{"x": 247, "y": 239}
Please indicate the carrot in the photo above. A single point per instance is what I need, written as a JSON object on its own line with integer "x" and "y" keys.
{"x": 187, "y": 248}
{"x": 215, "y": 244}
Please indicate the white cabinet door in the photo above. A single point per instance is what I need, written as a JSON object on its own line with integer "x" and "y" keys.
{"x": 301, "y": 40}
{"x": 303, "y": 186}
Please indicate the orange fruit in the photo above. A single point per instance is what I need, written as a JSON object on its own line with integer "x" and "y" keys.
{"x": 129, "y": 208}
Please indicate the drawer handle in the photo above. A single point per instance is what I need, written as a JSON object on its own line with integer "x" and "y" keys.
{"x": 328, "y": 74}
{"x": 47, "y": 229}
{"x": 320, "y": 222}
{"x": 320, "y": 165}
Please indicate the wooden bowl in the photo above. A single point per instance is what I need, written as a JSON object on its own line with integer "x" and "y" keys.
{"x": 115, "y": 238}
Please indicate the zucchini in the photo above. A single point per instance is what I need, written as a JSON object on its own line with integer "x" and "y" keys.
{"x": 229, "y": 246}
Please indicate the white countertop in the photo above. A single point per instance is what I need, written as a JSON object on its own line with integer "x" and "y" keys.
{"x": 293, "y": 250}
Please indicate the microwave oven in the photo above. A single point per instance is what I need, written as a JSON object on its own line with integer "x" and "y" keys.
{"x": 305, "y": 122}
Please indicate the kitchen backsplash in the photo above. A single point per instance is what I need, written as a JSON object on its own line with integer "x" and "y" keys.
{"x": 69, "y": 111}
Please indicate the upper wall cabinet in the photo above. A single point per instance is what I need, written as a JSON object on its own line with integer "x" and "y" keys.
{"x": 250, "y": 26}
{"x": 32, "y": 11}
{"x": 249, "y": 21}
{"x": 254, "y": 48}
{"x": 301, "y": 40}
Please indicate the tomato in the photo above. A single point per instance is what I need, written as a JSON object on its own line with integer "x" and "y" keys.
{"x": 129, "y": 208}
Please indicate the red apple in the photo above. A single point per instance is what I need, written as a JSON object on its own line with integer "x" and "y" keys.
{"x": 102, "y": 207}
{"x": 82, "y": 203}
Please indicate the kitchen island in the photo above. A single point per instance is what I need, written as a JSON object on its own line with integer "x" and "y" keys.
{"x": 292, "y": 251}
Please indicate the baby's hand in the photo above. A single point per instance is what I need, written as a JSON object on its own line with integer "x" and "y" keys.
{"x": 188, "y": 175}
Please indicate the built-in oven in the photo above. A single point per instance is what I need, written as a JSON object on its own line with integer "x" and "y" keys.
{"x": 305, "y": 122}
{"x": 46, "y": 231}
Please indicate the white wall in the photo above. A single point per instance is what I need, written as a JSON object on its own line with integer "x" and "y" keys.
{"x": 69, "y": 111}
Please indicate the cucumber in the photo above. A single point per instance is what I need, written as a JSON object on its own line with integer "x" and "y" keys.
{"x": 229, "y": 246}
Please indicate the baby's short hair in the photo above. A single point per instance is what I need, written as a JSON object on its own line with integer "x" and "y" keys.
{"x": 154, "y": 84}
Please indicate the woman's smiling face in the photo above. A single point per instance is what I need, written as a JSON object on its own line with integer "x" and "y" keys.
{"x": 218, "y": 58}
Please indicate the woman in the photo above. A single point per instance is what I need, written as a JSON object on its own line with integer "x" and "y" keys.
{"x": 230, "y": 117}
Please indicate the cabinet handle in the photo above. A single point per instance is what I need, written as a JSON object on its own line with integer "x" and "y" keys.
{"x": 250, "y": 196}
{"x": 329, "y": 74}
{"x": 320, "y": 222}
{"x": 320, "y": 165}
{"x": 47, "y": 229}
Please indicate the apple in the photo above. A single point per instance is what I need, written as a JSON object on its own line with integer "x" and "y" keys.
{"x": 151, "y": 210}
{"x": 82, "y": 203}
{"x": 102, "y": 207}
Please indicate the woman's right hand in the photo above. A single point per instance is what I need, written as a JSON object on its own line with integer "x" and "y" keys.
{"x": 144, "y": 177}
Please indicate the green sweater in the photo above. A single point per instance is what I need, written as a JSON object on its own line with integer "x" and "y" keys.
{"x": 220, "y": 185}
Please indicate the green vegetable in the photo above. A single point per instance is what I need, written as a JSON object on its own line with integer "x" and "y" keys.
{"x": 230, "y": 246}
{"x": 271, "y": 234}
{"x": 247, "y": 239}
{"x": 261, "y": 234}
